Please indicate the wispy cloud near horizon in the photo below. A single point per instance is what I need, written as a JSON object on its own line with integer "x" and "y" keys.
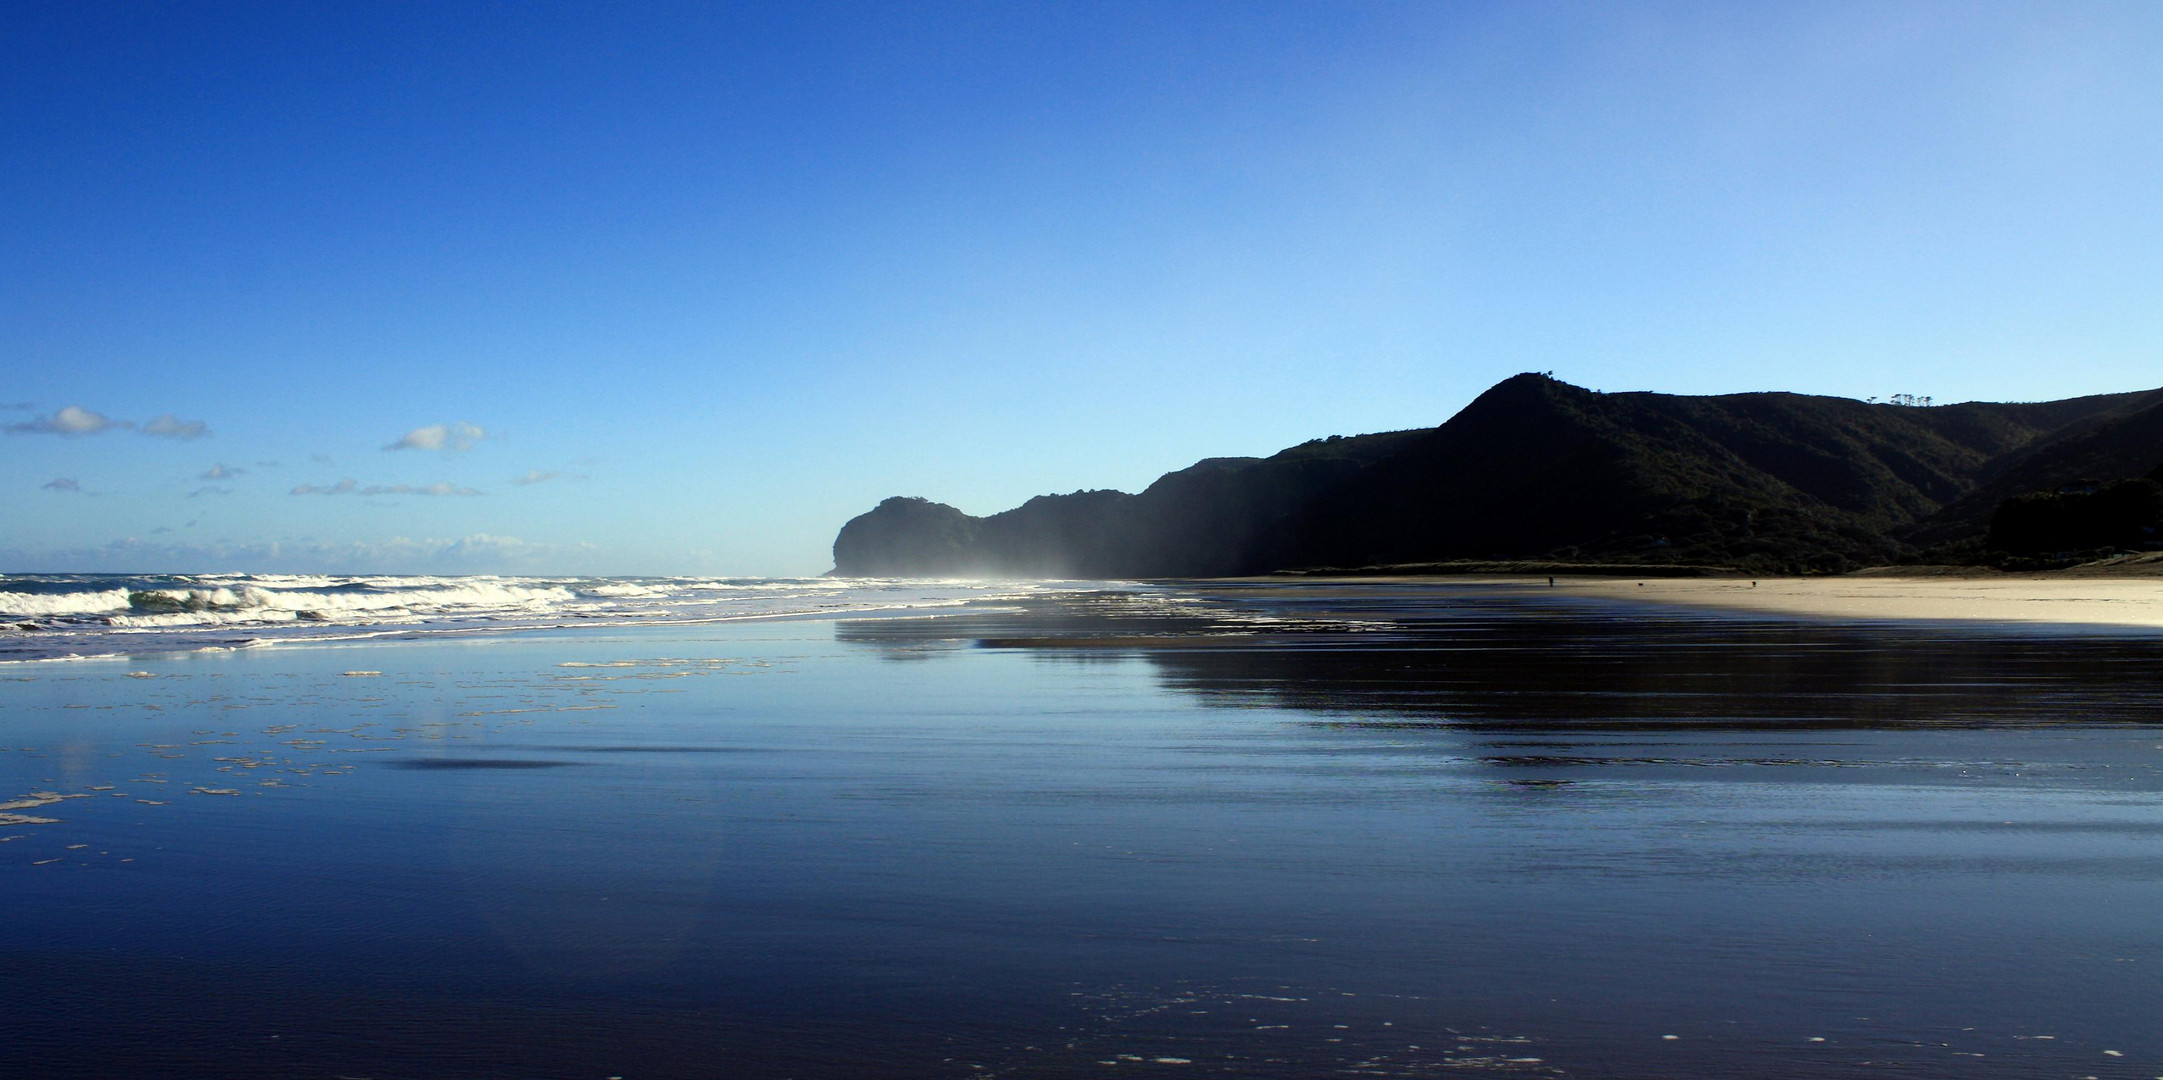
{"x": 221, "y": 471}
{"x": 456, "y": 437}
{"x": 76, "y": 420}
{"x": 350, "y": 486}
{"x": 62, "y": 483}
{"x": 535, "y": 476}
{"x": 168, "y": 426}
{"x": 475, "y": 552}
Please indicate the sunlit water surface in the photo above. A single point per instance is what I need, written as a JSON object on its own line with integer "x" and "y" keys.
{"x": 1253, "y": 832}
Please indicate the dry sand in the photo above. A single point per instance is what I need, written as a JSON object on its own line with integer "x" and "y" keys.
{"x": 2093, "y": 601}
{"x": 2128, "y": 593}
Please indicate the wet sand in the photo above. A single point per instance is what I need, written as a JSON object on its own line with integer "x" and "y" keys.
{"x": 1264, "y": 831}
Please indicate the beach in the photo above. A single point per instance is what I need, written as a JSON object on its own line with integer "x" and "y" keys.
{"x": 1039, "y": 541}
{"x": 1380, "y": 828}
{"x": 2098, "y": 600}
{"x": 2130, "y": 596}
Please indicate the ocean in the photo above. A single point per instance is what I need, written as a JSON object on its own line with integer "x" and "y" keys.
{"x": 1074, "y": 829}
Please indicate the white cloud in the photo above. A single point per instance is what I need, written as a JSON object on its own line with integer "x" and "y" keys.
{"x": 70, "y": 420}
{"x": 221, "y": 471}
{"x": 535, "y": 476}
{"x": 63, "y": 483}
{"x": 350, "y": 486}
{"x": 458, "y": 436}
{"x": 168, "y": 426}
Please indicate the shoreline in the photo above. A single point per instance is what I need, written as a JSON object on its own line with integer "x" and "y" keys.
{"x": 2094, "y": 600}
{"x": 2088, "y": 602}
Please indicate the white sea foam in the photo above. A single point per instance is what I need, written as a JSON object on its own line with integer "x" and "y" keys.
{"x": 75, "y": 603}
{"x": 278, "y": 581}
{"x": 627, "y": 590}
{"x": 223, "y": 605}
{"x": 211, "y": 617}
{"x": 488, "y": 594}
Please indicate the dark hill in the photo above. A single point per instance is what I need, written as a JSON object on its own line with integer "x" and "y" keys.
{"x": 2123, "y": 441}
{"x": 1536, "y": 468}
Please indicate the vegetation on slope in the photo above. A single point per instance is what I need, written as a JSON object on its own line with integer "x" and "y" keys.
{"x": 1539, "y": 469}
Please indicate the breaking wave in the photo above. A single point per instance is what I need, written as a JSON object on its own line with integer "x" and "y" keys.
{"x": 82, "y": 603}
{"x": 267, "y": 600}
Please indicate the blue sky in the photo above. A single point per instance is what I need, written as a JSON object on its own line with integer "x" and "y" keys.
{"x": 713, "y": 279}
